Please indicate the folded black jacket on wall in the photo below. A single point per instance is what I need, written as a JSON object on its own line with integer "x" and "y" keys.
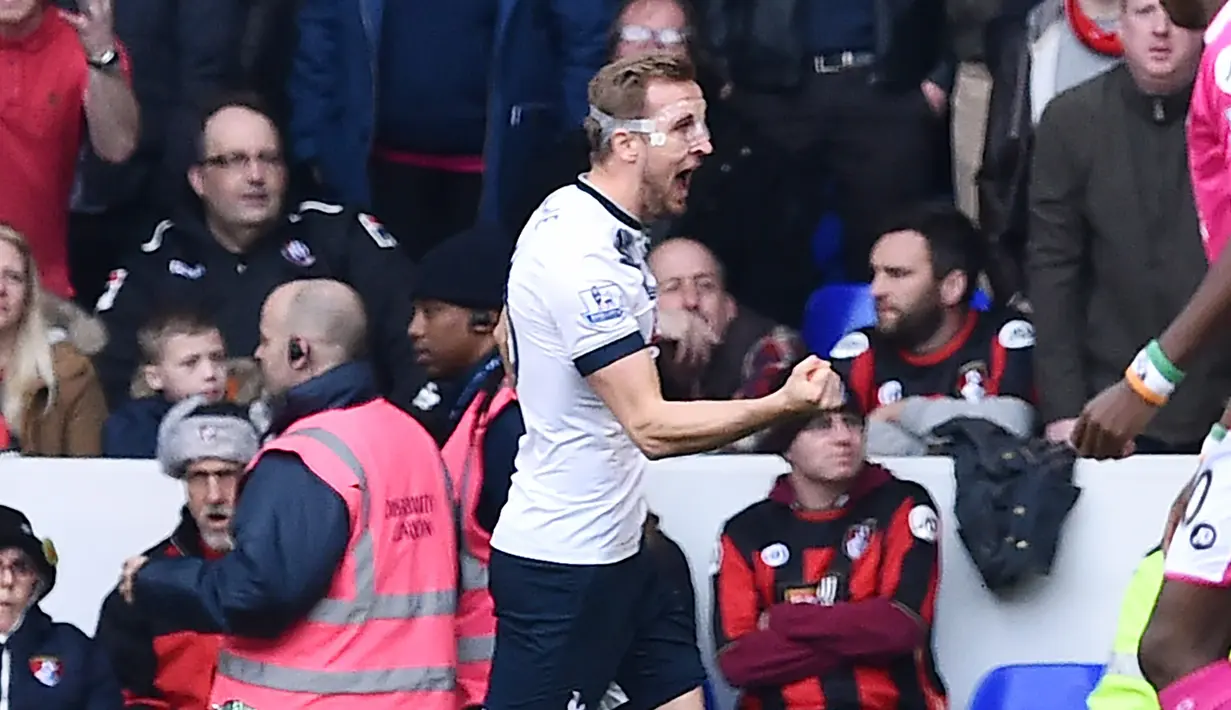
{"x": 1012, "y": 499}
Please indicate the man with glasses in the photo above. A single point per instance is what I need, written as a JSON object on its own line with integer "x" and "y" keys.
{"x": 645, "y": 26}
{"x": 641, "y": 27}
{"x": 228, "y": 249}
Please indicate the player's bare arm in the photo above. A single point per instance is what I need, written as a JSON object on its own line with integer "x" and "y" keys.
{"x": 1121, "y": 412}
{"x": 630, "y": 388}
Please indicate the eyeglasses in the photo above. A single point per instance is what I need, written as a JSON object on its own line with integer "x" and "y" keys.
{"x": 20, "y": 569}
{"x": 232, "y": 161}
{"x": 666, "y": 36}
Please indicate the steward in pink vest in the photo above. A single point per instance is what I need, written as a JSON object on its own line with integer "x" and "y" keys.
{"x": 341, "y": 591}
{"x": 457, "y": 300}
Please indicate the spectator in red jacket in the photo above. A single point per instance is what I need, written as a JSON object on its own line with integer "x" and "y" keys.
{"x": 160, "y": 666}
{"x": 824, "y": 593}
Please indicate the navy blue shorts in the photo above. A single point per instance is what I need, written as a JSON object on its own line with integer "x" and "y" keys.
{"x": 565, "y": 633}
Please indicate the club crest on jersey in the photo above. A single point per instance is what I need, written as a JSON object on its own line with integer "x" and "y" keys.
{"x": 47, "y": 670}
{"x": 857, "y": 539}
{"x": 298, "y": 253}
{"x": 972, "y": 381}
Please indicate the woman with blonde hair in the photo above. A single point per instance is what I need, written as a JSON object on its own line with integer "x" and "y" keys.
{"x": 50, "y": 398}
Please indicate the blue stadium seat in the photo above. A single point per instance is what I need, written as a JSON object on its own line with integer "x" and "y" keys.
{"x": 834, "y": 311}
{"x": 827, "y": 248}
{"x": 1042, "y": 686}
{"x": 981, "y": 301}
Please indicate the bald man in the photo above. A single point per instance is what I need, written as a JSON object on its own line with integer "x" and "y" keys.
{"x": 713, "y": 347}
{"x": 340, "y": 591}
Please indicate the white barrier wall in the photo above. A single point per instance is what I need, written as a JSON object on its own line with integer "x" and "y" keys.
{"x": 99, "y": 512}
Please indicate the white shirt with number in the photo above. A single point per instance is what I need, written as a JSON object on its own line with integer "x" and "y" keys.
{"x": 580, "y": 297}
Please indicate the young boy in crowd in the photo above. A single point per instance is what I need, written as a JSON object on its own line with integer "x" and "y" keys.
{"x": 182, "y": 354}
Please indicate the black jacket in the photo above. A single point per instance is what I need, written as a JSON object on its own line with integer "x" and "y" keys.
{"x": 57, "y": 667}
{"x": 1012, "y": 499}
{"x": 181, "y": 264}
{"x": 756, "y": 45}
{"x": 160, "y": 666}
{"x": 291, "y": 532}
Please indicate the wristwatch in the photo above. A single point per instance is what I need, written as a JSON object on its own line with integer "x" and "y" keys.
{"x": 106, "y": 61}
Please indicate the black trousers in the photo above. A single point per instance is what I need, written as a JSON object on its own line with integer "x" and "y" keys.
{"x": 422, "y": 206}
{"x": 840, "y": 143}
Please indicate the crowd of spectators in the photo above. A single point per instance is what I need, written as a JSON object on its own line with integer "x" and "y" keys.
{"x": 167, "y": 165}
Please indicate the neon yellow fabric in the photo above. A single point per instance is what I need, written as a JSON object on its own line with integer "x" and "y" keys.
{"x": 1122, "y": 686}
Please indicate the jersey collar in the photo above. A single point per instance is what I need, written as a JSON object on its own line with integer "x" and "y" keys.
{"x": 608, "y": 204}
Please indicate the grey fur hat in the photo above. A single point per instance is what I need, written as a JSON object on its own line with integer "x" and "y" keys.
{"x": 195, "y": 430}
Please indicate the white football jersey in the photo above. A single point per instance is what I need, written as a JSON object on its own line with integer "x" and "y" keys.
{"x": 580, "y": 297}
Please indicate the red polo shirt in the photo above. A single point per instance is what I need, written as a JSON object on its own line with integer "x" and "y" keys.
{"x": 43, "y": 80}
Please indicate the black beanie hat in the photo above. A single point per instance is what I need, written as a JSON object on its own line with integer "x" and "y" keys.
{"x": 469, "y": 269}
{"x": 15, "y": 531}
{"x": 782, "y": 435}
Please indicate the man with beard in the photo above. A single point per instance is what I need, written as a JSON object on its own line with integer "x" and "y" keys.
{"x": 931, "y": 357}
{"x": 161, "y": 666}
{"x": 579, "y": 600}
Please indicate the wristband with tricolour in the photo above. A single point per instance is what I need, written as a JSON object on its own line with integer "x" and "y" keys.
{"x": 1218, "y": 432}
{"x": 1152, "y": 375}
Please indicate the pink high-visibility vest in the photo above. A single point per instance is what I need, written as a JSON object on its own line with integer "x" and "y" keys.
{"x": 383, "y": 636}
{"x": 476, "y": 620}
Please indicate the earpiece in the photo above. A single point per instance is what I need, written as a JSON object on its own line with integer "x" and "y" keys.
{"x": 294, "y": 351}
{"x": 482, "y": 320}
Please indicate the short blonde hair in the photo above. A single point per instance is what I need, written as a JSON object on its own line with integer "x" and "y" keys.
{"x": 619, "y": 90}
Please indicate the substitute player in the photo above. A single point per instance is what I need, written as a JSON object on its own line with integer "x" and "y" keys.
{"x": 578, "y": 602}
{"x": 1183, "y": 652}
